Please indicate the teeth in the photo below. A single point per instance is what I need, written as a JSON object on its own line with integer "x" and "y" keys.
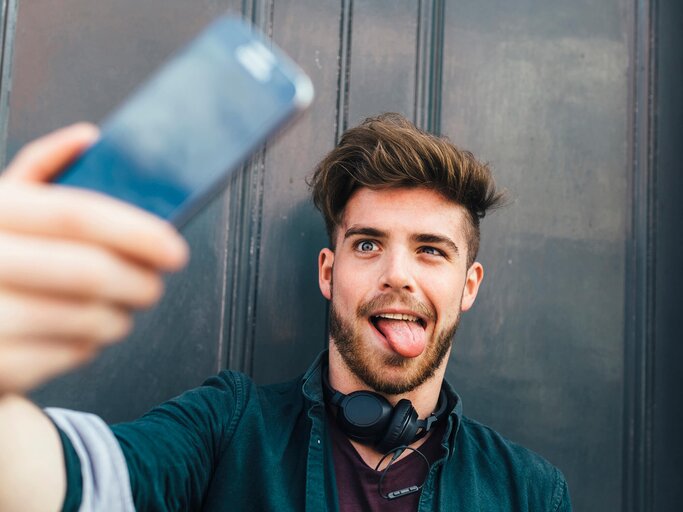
{"x": 398, "y": 316}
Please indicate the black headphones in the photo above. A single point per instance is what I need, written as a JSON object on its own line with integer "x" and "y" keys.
{"x": 369, "y": 418}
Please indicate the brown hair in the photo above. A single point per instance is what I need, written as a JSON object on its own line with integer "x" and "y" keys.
{"x": 388, "y": 151}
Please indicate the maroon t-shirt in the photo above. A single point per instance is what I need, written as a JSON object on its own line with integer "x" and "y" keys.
{"x": 357, "y": 483}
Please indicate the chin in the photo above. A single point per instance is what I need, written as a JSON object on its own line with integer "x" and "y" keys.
{"x": 368, "y": 356}
{"x": 387, "y": 372}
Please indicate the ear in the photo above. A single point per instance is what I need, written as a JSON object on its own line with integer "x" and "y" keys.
{"x": 475, "y": 275}
{"x": 325, "y": 265}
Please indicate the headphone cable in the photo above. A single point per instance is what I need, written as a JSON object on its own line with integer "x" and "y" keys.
{"x": 406, "y": 490}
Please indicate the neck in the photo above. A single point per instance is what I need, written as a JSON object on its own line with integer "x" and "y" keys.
{"x": 424, "y": 397}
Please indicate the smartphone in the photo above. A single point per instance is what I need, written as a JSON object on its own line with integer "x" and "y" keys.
{"x": 173, "y": 144}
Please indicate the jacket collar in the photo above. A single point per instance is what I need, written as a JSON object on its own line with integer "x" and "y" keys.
{"x": 312, "y": 386}
{"x": 312, "y": 389}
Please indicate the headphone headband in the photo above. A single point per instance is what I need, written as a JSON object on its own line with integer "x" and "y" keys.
{"x": 369, "y": 418}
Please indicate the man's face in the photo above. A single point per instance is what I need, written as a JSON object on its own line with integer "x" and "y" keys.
{"x": 398, "y": 280}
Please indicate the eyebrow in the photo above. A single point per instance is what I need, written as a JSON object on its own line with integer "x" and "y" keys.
{"x": 422, "y": 238}
{"x": 430, "y": 238}
{"x": 354, "y": 231}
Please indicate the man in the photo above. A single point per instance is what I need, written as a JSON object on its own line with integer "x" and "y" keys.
{"x": 372, "y": 425}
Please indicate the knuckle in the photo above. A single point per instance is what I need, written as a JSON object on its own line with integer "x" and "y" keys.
{"x": 106, "y": 276}
{"x": 151, "y": 290}
{"x": 70, "y": 219}
{"x": 83, "y": 352}
{"x": 108, "y": 324}
{"x": 91, "y": 279}
{"x": 11, "y": 316}
{"x": 120, "y": 326}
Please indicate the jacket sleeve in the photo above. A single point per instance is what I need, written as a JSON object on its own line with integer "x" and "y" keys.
{"x": 97, "y": 478}
{"x": 171, "y": 451}
{"x": 563, "y": 502}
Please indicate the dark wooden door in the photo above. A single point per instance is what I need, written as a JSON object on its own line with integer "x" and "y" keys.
{"x": 564, "y": 99}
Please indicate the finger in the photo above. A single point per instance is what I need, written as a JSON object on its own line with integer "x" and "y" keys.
{"x": 43, "y": 158}
{"x": 25, "y": 315}
{"x": 25, "y": 364}
{"x": 73, "y": 269}
{"x": 94, "y": 218}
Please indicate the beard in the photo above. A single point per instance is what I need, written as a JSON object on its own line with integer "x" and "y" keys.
{"x": 377, "y": 370}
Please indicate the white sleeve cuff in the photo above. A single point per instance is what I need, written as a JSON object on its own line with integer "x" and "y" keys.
{"x": 106, "y": 484}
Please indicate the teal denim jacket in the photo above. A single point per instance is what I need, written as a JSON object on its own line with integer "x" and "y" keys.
{"x": 232, "y": 445}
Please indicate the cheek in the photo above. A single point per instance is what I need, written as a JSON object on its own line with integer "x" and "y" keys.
{"x": 352, "y": 274}
{"x": 446, "y": 296}
{"x": 346, "y": 287}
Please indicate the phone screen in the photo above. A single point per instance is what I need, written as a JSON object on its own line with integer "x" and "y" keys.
{"x": 173, "y": 143}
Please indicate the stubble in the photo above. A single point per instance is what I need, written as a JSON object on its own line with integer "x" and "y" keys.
{"x": 378, "y": 371}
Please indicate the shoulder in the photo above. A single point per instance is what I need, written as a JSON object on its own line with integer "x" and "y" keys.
{"x": 240, "y": 382}
{"x": 225, "y": 390}
{"x": 482, "y": 440}
{"x": 511, "y": 467}
{"x": 247, "y": 397}
{"x": 238, "y": 391}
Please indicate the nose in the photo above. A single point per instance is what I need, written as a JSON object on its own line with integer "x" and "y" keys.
{"x": 397, "y": 272}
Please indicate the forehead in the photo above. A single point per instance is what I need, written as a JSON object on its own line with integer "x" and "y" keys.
{"x": 405, "y": 209}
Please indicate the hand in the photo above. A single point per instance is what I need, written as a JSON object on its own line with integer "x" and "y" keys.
{"x": 73, "y": 264}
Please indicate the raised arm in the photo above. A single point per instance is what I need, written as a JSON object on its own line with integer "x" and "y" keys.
{"x": 73, "y": 267}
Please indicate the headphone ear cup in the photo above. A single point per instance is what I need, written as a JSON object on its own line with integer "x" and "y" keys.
{"x": 364, "y": 416}
{"x": 402, "y": 427}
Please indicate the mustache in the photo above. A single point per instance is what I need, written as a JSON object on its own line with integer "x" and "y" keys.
{"x": 394, "y": 299}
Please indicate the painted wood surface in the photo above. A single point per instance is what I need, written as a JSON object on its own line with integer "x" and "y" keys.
{"x": 558, "y": 354}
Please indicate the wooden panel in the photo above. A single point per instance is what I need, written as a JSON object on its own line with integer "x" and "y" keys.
{"x": 541, "y": 91}
{"x": 382, "y": 58}
{"x": 75, "y": 60}
{"x": 8, "y": 25}
{"x": 290, "y": 311}
{"x": 667, "y": 491}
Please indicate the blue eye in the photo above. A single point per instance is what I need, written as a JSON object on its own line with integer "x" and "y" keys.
{"x": 431, "y": 250}
{"x": 366, "y": 246}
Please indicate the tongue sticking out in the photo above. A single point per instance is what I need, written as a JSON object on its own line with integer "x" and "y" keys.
{"x": 405, "y": 337}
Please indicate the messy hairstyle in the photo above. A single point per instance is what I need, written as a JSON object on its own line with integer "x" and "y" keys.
{"x": 388, "y": 151}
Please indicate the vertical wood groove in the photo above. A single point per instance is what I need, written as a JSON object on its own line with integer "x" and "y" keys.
{"x": 345, "y": 29}
{"x": 640, "y": 334}
{"x": 8, "y": 20}
{"x": 429, "y": 65}
{"x": 244, "y": 215}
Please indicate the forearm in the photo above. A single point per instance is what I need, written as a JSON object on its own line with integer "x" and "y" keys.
{"x": 32, "y": 473}
{"x": 74, "y": 265}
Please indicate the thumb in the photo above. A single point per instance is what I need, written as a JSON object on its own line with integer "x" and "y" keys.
{"x": 43, "y": 158}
